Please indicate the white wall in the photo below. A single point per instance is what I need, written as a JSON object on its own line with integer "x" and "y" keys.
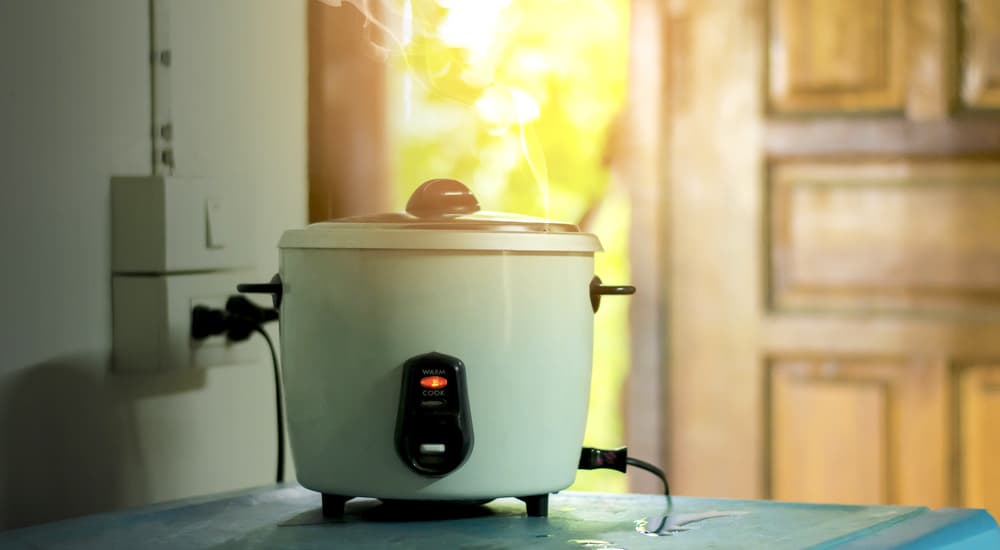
{"x": 74, "y": 110}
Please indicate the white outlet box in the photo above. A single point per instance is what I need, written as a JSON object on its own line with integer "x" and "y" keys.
{"x": 152, "y": 321}
{"x": 167, "y": 224}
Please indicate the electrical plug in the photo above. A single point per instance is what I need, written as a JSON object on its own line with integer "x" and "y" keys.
{"x": 237, "y": 321}
{"x": 600, "y": 459}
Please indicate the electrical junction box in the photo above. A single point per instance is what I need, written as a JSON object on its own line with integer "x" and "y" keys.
{"x": 166, "y": 224}
{"x": 176, "y": 243}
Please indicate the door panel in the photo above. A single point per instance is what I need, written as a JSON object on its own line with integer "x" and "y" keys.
{"x": 981, "y": 59}
{"x": 832, "y": 56}
{"x": 830, "y": 433}
{"x": 979, "y": 436}
{"x": 864, "y": 429}
{"x": 900, "y": 235}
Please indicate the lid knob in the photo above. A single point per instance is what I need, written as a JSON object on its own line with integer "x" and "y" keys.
{"x": 442, "y": 198}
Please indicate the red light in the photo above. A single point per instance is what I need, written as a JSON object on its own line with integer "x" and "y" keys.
{"x": 433, "y": 382}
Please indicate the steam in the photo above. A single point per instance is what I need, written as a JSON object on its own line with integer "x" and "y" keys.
{"x": 365, "y": 7}
{"x": 506, "y": 107}
{"x": 453, "y": 57}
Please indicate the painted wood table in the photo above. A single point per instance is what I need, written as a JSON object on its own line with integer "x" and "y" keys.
{"x": 290, "y": 517}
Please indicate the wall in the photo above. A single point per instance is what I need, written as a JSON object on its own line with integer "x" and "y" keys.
{"x": 74, "y": 110}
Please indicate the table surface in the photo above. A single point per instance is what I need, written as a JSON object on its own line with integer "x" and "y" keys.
{"x": 289, "y": 516}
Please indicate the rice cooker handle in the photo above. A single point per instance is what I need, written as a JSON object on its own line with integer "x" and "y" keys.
{"x": 597, "y": 290}
{"x": 274, "y": 288}
{"x": 442, "y": 198}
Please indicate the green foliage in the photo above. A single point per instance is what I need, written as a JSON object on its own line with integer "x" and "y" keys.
{"x": 516, "y": 99}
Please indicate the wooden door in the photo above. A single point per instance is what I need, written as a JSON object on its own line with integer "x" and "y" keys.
{"x": 833, "y": 173}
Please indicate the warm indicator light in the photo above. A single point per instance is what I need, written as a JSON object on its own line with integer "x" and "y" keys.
{"x": 433, "y": 382}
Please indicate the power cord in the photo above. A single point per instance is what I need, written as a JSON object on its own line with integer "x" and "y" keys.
{"x": 238, "y": 321}
{"x": 278, "y": 404}
{"x": 618, "y": 459}
{"x": 655, "y": 470}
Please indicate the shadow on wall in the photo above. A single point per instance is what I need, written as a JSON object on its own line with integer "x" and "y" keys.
{"x": 71, "y": 445}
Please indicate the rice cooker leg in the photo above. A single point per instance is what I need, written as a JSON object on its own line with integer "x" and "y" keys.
{"x": 537, "y": 505}
{"x": 333, "y": 505}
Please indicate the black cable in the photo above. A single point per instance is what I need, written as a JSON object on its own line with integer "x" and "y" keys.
{"x": 238, "y": 321}
{"x": 656, "y": 471}
{"x": 643, "y": 465}
{"x": 617, "y": 459}
{"x": 280, "y": 476}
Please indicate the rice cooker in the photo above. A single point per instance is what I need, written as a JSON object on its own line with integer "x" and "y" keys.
{"x": 437, "y": 354}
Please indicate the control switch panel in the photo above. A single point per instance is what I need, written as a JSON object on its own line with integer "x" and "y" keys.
{"x": 433, "y": 427}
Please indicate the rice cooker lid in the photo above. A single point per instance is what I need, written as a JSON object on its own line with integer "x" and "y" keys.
{"x": 443, "y": 214}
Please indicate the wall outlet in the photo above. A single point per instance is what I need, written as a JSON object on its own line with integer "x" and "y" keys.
{"x": 152, "y": 321}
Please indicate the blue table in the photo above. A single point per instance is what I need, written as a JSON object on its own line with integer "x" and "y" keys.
{"x": 290, "y": 517}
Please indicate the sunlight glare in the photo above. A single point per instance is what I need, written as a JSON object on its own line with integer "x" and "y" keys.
{"x": 471, "y": 25}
